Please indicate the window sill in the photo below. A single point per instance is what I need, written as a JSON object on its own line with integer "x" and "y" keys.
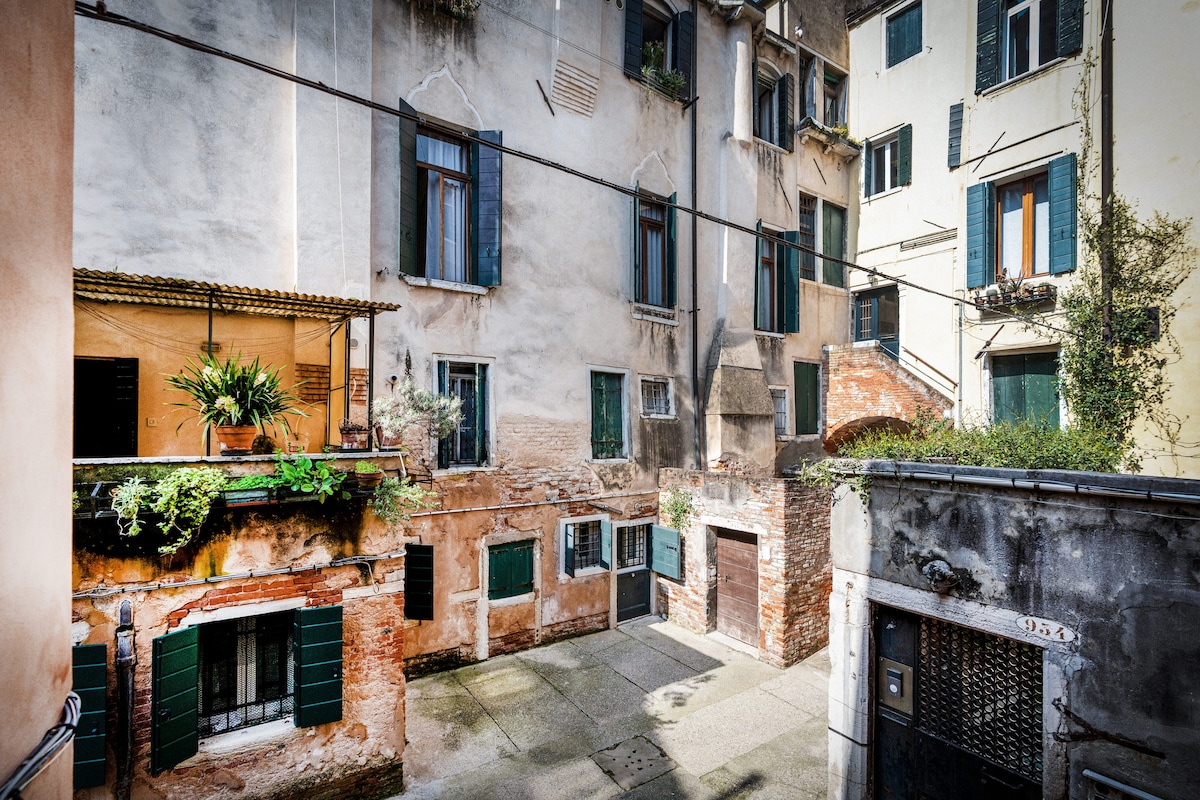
{"x": 659, "y": 416}
{"x": 663, "y": 316}
{"x": 1033, "y": 73}
{"x": 799, "y": 437}
{"x": 450, "y": 286}
{"x": 515, "y": 600}
{"x": 620, "y": 460}
{"x": 771, "y": 145}
{"x": 224, "y": 743}
{"x": 587, "y": 572}
{"x": 878, "y": 195}
{"x": 465, "y": 468}
{"x": 770, "y": 334}
{"x": 649, "y": 88}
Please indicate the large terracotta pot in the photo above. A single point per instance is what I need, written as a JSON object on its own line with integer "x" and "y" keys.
{"x": 355, "y": 440}
{"x": 236, "y": 440}
{"x": 369, "y": 480}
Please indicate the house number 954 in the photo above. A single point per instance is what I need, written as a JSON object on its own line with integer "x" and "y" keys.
{"x": 1046, "y": 629}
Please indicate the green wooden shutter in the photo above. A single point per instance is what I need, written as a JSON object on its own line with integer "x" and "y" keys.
{"x": 569, "y": 549}
{"x": 1070, "y": 27}
{"x": 787, "y": 113}
{"x": 418, "y": 581}
{"x": 904, "y": 35}
{"x": 487, "y": 208}
{"x": 608, "y": 424}
{"x": 1062, "y": 179}
{"x": 791, "y": 282}
{"x": 954, "y": 148}
{"x": 987, "y": 44}
{"x": 510, "y": 569}
{"x": 672, "y": 251}
{"x": 89, "y": 672}
{"x": 664, "y": 552}
{"x": 443, "y": 446}
{"x": 1008, "y": 391}
{"x": 981, "y": 235}
{"x": 633, "y": 39}
{"x": 904, "y": 160}
{"x": 635, "y": 243}
{"x": 833, "y": 244}
{"x": 808, "y": 392}
{"x": 317, "y": 650}
{"x": 868, "y": 168}
{"x": 606, "y": 544}
{"x": 684, "y": 45}
{"x": 1041, "y": 388}
{"x": 411, "y": 262}
{"x": 175, "y": 698}
{"x": 759, "y": 323}
{"x": 481, "y": 414}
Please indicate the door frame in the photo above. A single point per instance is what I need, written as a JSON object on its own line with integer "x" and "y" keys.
{"x": 612, "y": 597}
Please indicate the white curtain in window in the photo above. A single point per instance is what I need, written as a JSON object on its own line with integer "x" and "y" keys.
{"x": 447, "y": 155}
{"x": 1041, "y": 226}
{"x": 454, "y": 229}
{"x": 1012, "y": 224}
{"x": 655, "y": 246}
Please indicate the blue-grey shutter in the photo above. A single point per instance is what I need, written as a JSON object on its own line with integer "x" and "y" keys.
{"x": 954, "y": 149}
{"x": 1070, "y": 27}
{"x": 89, "y": 671}
{"x": 487, "y": 209}
{"x": 1062, "y": 179}
{"x": 411, "y": 261}
{"x": 904, "y": 156}
{"x": 987, "y": 45}
{"x": 868, "y": 168}
{"x": 175, "y": 698}
{"x": 481, "y": 414}
{"x": 569, "y": 549}
{"x": 754, "y": 100}
{"x": 672, "y": 250}
{"x": 636, "y": 246}
{"x": 606, "y": 544}
{"x": 759, "y": 322}
{"x": 317, "y": 650}
{"x": 633, "y": 39}
{"x": 443, "y": 379}
{"x": 786, "y": 96}
{"x": 791, "y": 282}
{"x": 664, "y": 552}
{"x": 418, "y": 581}
{"x": 981, "y": 235}
{"x": 684, "y": 45}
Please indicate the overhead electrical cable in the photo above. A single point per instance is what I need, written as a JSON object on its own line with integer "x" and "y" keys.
{"x": 98, "y": 13}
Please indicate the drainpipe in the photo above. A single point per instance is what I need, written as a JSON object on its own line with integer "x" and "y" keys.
{"x": 1106, "y": 167}
{"x": 126, "y": 661}
{"x": 701, "y": 456}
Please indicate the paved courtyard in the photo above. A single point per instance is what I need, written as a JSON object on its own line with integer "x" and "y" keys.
{"x": 645, "y": 711}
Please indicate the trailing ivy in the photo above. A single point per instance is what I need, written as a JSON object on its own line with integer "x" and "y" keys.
{"x": 677, "y": 508}
{"x": 395, "y": 500}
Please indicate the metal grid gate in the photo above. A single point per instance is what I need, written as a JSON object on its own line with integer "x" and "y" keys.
{"x": 982, "y": 693}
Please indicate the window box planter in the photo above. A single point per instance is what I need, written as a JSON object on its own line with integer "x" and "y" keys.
{"x": 246, "y": 497}
{"x": 994, "y": 298}
{"x": 834, "y": 142}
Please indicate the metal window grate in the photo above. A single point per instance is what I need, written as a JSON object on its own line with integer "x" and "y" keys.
{"x": 246, "y": 672}
{"x": 631, "y": 546}
{"x": 656, "y": 397}
{"x": 587, "y": 544}
{"x": 982, "y": 693}
{"x": 779, "y": 399}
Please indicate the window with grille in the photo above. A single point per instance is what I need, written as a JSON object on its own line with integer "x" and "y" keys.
{"x": 808, "y": 237}
{"x": 631, "y": 546}
{"x": 467, "y": 445}
{"x": 587, "y": 543}
{"x": 779, "y": 399}
{"x": 246, "y": 673}
{"x": 656, "y": 397}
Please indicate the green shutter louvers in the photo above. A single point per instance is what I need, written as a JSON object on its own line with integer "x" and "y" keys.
{"x": 684, "y": 30}
{"x": 904, "y": 158}
{"x": 175, "y": 698}
{"x": 1062, "y": 179}
{"x": 665, "y": 548}
{"x": 672, "y": 250}
{"x": 787, "y": 123}
{"x": 1070, "y": 27}
{"x": 981, "y": 235}
{"x": 89, "y": 671}
{"x": 868, "y": 168}
{"x": 411, "y": 261}
{"x": 954, "y": 148}
{"x": 569, "y": 550}
{"x": 791, "y": 282}
{"x": 487, "y": 209}
{"x": 606, "y": 544}
{"x": 633, "y": 39}
{"x": 418, "y": 582}
{"x": 987, "y": 44}
{"x": 317, "y": 650}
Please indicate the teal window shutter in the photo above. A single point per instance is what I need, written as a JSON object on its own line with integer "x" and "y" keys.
{"x": 1025, "y": 387}
{"x": 664, "y": 552}
{"x": 487, "y": 208}
{"x": 317, "y": 650}
{"x": 411, "y": 261}
{"x": 791, "y": 282}
{"x": 759, "y": 323}
{"x": 954, "y": 149}
{"x": 1070, "y": 27}
{"x": 443, "y": 450}
{"x": 757, "y": 76}
{"x": 812, "y": 90}
{"x": 633, "y": 39}
{"x": 510, "y": 569}
{"x": 636, "y": 243}
{"x": 808, "y": 393}
{"x": 418, "y": 581}
{"x": 175, "y": 698}
{"x": 904, "y": 160}
{"x": 89, "y": 671}
{"x": 683, "y": 45}
{"x": 1062, "y": 179}
{"x": 606, "y": 544}
{"x": 569, "y": 550}
{"x": 785, "y": 95}
{"x": 481, "y": 414}
{"x": 672, "y": 250}
{"x": 833, "y": 243}
{"x": 987, "y": 44}
{"x": 868, "y": 168}
{"x": 608, "y": 424}
{"x": 904, "y": 35}
{"x": 981, "y": 235}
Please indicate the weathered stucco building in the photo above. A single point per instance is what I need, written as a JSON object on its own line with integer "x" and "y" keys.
{"x": 1001, "y": 633}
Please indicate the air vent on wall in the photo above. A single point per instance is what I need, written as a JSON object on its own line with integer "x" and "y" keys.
{"x": 574, "y": 88}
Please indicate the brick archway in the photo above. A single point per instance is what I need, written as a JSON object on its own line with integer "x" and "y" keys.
{"x": 851, "y": 429}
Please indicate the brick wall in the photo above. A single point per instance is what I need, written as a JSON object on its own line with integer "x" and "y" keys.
{"x": 864, "y": 388}
{"x": 792, "y": 524}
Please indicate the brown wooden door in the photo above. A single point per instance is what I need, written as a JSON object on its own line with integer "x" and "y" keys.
{"x": 737, "y": 585}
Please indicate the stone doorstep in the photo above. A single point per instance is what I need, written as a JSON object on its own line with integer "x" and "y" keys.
{"x": 633, "y": 762}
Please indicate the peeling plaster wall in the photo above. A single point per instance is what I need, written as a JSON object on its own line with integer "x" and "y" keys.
{"x": 1120, "y": 573}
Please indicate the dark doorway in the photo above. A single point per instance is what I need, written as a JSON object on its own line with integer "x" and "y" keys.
{"x": 877, "y": 316}
{"x": 737, "y": 585}
{"x": 633, "y": 572}
{"x": 106, "y": 407}
{"x": 958, "y": 712}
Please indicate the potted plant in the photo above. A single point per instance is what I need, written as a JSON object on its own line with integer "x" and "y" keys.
{"x": 392, "y": 418}
{"x": 355, "y": 435}
{"x": 437, "y": 415}
{"x": 237, "y": 399}
{"x": 368, "y": 474}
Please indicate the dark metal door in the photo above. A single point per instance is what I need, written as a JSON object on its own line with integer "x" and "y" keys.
{"x": 633, "y": 579}
{"x": 958, "y": 712}
{"x": 737, "y": 585}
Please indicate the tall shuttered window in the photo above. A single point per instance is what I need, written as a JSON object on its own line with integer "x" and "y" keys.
{"x": 586, "y": 544}
{"x": 887, "y": 162}
{"x": 608, "y": 415}
{"x": 654, "y": 235}
{"x": 1025, "y": 387}
{"x": 904, "y": 35}
{"x": 468, "y": 444}
{"x": 833, "y": 243}
{"x": 672, "y": 36}
{"x": 806, "y": 236}
{"x": 808, "y": 394}
{"x": 777, "y": 284}
{"x": 510, "y": 569}
{"x": 774, "y": 108}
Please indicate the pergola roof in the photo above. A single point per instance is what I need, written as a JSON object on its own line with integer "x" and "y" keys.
{"x": 117, "y": 287}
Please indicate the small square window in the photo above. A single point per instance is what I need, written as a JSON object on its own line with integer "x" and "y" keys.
{"x": 586, "y": 538}
{"x": 631, "y": 546}
{"x": 510, "y": 569}
{"x": 779, "y": 399}
{"x": 246, "y": 673}
{"x": 656, "y": 397}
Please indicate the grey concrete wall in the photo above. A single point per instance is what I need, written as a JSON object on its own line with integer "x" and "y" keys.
{"x": 1120, "y": 572}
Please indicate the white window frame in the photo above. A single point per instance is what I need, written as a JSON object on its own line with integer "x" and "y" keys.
{"x": 617, "y": 527}
{"x": 626, "y": 422}
{"x": 1035, "y": 40}
{"x": 776, "y": 11}
{"x": 884, "y": 34}
{"x": 562, "y": 548}
{"x": 890, "y": 146}
{"x": 670, "y": 383}
{"x": 489, "y": 398}
{"x": 787, "y": 411}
